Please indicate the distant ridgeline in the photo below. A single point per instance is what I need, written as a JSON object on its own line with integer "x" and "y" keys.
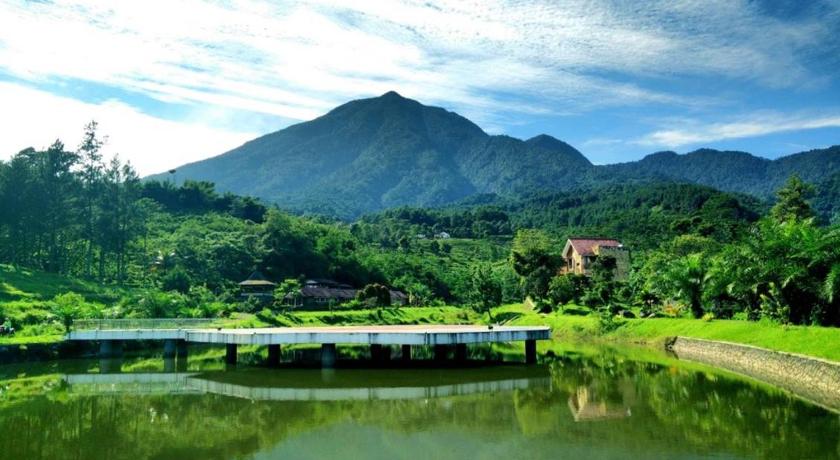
{"x": 389, "y": 151}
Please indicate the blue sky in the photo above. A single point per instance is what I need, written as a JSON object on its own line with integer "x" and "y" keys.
{"x": 172, "y": 82}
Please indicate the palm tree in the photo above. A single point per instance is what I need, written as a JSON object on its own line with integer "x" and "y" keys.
{"x": 688, "y": 276}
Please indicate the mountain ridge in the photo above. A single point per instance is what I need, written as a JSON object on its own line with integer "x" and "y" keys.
{"x": 371, "y": 154}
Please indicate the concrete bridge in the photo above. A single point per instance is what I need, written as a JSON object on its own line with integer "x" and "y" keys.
{"x": 194, "y": 383}
{"x": 442, "y": 338}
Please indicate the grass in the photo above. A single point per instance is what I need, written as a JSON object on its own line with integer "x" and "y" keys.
{"x": 31, "y": 339}
{"x": 820, "y": 342}
{"x": 19, "y": 284}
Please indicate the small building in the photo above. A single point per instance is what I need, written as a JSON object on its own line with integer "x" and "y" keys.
{"x": 257, "y": 286}
{"x": 580, "y": 253}
{"x": 443, "y": 235}
{"x": 318, "y": 292}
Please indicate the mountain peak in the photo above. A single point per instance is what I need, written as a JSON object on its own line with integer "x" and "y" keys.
{"x": 553, "y": 144}
{"x": 392, "y": 95}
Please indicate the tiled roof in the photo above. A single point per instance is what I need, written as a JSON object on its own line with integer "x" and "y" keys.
{"x": 586, "y": 246}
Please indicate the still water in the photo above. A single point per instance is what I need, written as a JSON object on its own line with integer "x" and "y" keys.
{"x": 594, "y": 405}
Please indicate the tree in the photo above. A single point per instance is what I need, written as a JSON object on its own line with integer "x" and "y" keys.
{"x": 534, "y": 261}
{"x": 91, "y": 175}
{"x": 486, "y": 291}
{"x": 688, "y": 276}
{"x": 289, "y": 287}
{"x": 602, "y": 283}
{"x": 376, "y": 294}
{"x": 68, "y": 307}
{"x": 792, "y": 201}
{"x": 176, "y": 279}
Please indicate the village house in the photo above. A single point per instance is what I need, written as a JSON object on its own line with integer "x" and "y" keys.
{"x": 580, "y": 253}
{"x": 318, "y": 292}
{"x": 258, "y": 287}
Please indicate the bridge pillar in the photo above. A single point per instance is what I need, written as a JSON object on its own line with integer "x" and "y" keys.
{"x": 110, "y": 349}
{"x": 169, "y": 365}
{"x": 230, "y": 353}
{"x": 328, "y": 355}
{"x": 273, "y": 355}
{"x": 441, "y": 352}
{"x": 169, "y": 348}
{"x": 376, "y": 352}
{"x": 461, "y": 352}
{"x": 110, "y": 366}
{"x": 181, "y": 346}
{"x": 530, "y": 351}
{"x": 405, "y": 353}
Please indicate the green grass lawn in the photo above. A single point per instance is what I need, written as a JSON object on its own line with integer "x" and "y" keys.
{"x": 821, "y": 342}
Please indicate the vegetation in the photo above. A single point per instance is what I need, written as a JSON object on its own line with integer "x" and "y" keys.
{"x": 82, "y": 239}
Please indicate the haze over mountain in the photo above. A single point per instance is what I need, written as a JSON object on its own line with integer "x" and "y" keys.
{"x": 371, "y": 154}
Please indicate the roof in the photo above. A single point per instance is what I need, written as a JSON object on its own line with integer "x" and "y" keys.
{"x": 586, "y": 246}
{"x": 336, "y": 293}
{"x": 256, "y": 279}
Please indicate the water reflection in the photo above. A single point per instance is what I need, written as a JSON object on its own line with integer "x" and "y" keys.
{"x": 575, "y": 406}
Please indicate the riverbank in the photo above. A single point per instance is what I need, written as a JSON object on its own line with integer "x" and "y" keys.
{"x": 819, "y": 342}
{"x": 814, "y": 341}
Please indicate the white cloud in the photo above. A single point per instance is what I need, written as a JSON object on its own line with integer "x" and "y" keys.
{"x": 494, "y": 61}
{"x": 296, "y": 60}
{"x": 37, "y": 118}
{"x": 759, "y": 124}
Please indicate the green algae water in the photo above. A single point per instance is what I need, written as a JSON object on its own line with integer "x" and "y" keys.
{"x": 602, "y": 405}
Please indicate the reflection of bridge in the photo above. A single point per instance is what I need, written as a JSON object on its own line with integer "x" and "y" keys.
{"x": 191, "y": 383}
{"x": 441, "y": 337}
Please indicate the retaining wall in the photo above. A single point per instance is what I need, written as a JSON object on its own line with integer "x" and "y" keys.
{"x": 811, "y": 378}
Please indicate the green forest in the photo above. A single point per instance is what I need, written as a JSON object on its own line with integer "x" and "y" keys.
{"x": 81, "y": 237}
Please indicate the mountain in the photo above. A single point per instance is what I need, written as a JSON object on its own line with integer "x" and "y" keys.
{"x": 731, "y": 171}
{"x": 388, "y": 151}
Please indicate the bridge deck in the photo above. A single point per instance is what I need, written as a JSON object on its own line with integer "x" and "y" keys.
{"x": 383, "y": 335}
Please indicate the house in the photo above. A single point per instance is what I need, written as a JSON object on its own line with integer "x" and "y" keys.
{"x": 443, "y": 236}
{"x": 318, "y": 292}
{"x": 257, "y": 286}
{"x": 580, "y": 253}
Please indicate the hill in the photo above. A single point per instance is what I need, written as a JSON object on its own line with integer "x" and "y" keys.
{"x": 390, "y": 151}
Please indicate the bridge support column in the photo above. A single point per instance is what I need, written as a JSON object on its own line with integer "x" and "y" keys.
{"x": 110, "y": 349}
{"x": 273, "y": 355}
{"x": 376, "y": 352}
{"x": 530, "y": 351}
{"x": 441, "y": 352}
{"x": 461, "y": 352}
{"x": 405, "y": 353}
{"x": 110, "y": 366}
{"x": 169, "y": 365}
{"x": 328, "y": 355}
{"x": 230, "y": 353}
{"x": 169, "y": 348}
{"x": 181, "y": 346}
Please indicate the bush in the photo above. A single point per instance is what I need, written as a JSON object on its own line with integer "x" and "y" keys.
{"x": 375, "y": 295}
{"x": 176, "y": 280}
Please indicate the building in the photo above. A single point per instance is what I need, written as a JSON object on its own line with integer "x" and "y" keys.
{"x": 318, "y": 292}
{"x": 258, "y": 287}
{"x": 580, "y": 253}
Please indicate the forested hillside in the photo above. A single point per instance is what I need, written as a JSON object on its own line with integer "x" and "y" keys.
{"x": 389, "y": 151}
{"x": 644, "y": 215}
{"x": 122, "y": 247}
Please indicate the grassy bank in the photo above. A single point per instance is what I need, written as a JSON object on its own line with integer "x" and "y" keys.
{"x": 579, "y": 328}
{"x": 820, "y": 342}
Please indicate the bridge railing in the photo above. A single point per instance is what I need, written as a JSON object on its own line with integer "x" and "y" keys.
{"x": 146, "y": 323}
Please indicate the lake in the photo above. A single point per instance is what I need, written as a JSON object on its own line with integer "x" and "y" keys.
{"x": 597, "y": 404}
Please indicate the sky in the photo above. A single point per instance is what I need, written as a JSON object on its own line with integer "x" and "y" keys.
{"x": 172, "y": 82}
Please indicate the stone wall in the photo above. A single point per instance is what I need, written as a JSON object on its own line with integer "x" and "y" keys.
{"x": 811, "y": 378}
